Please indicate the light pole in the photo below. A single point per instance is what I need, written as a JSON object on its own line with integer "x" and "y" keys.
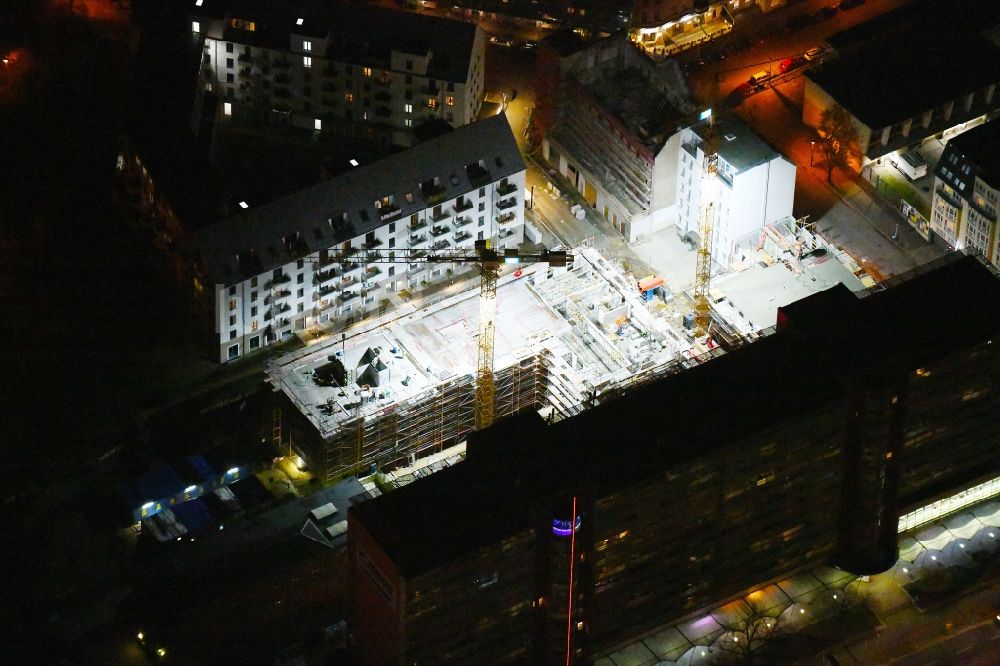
{"x": 812, "y": 145}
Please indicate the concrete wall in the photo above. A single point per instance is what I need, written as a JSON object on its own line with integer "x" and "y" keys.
{"x": 816, "y": 100}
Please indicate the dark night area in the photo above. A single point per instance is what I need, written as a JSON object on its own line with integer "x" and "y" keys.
{"x": 529, "y": 332}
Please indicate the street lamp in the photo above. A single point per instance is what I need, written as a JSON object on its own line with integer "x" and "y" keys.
{"x": 812, "y": 145}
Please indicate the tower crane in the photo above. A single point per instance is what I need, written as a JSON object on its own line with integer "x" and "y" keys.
{"x": 706, "y": 220}
{"x": 490, "y": 262}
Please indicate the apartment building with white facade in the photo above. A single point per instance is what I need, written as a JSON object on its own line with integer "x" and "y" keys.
{"x": 275, "y": 269}
{"x": 756, "y": 187}
{"x": 361, "y": 70}
{"x": 967, "y": 191}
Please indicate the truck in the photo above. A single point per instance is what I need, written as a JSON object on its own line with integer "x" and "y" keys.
{"x": 912, "y": 164}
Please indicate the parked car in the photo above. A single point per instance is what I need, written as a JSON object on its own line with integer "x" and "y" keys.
{"x": 743, "y": 90}
{"x": 813, "y": 53}
{"x": 851, "y": 4}
{"x": 786, "y": 64}
{"x": 824, "y": 14}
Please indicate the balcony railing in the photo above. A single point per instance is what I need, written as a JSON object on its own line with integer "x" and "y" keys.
{"x": 349, "y": 282}
{"x": 506, "y": 188}
{"x": 416, "y": 226}
{"x": 374, "y": 242}
{"x": 504, "y": 218}
{"x": 503, "y": 204}
{"x": 433, "y": 193}
{"x": 462, "y": 235}
{"x": 440, "y": 245}
{"x": 417, "y": 238}
{"x": 442, "y": 214}
{"x": 462, "y": 222}
{"x": 372, "y": 271}
{"x": 245, "y": 71}
{"x": 462, "y": 205}
{"x": 282, "y": 279}
{"x": 243, "y": 57}
{"x": 439, "y": 231}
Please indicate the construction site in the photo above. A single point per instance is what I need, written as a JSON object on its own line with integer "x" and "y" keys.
{"x": 405, "y": 390}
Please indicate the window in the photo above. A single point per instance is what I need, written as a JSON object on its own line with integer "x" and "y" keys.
{"x": 366, "y": 72}
{"x": 432, "y": 103}
{"x": 300, "y": 293}
{"x": 482, "y": 221}
{"x": 253, "y": 311}
{"x": 482, "y": 206}
{"x": 451, "y": 87}
{"x": 232, "y": 334}
{"x": 253, "y": 282}
{"x": 482, "y": 191}
{"x": 232, "y": 304}
{"x": 449, "y": 100}
{"x": 392, "y": 242}
{"x": 195, "y": 26}
{"x": 392, "y": 271}
{"x": 307, "y": 46}
{"x": 229, "y": 48}
{"x": 348, "y": 97}
{"x": 232, "y": 320}
{"x": 233, "y": 352}
{"x": 227, "y": 108}
{"x": 230, "y": 78}
{"x": 300, "y": 278}
{"x": 408, "y": 108}
{"x": 408, "y": 122}
{"x": 318, "y": 124}
{"x": 232, "y": 290}
{"x": 408, "y": 94}
{"x": 300, "y": 308}
{"x": 409, "y": 66}
{"x": 229, "y": 63}
{"x": 409, "y": 79}
{"x": 392, "y": 225}
{"x": 255, "y": 342}
{"x": 307, "y": 61}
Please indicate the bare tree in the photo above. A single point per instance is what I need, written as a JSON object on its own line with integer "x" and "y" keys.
{"x": 746, "y": 634}
{"x": 838, "y": 139}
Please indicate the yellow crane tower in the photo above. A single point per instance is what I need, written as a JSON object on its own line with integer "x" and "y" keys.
{"x": 490, "y": 262}
{"x": 706, "y": 220}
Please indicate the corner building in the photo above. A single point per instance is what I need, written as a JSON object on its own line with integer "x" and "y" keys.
{"x": 366, "y": 71}
{"x": 579, "y": 535}
{"x": 275, "y": 269}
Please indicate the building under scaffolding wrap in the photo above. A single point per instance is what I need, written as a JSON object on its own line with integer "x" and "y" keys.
{"x": 404, "y": 390}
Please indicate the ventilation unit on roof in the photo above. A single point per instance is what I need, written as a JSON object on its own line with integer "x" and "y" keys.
{"x": 730, "y": 137}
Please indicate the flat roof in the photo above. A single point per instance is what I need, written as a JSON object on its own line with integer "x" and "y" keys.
{"x": 520, "y": 465}
{"x": 925, "y": 55}
{"x": 262, "y": 227}
{"x": 737, "y": 143}
{"x": 759, "y": 291}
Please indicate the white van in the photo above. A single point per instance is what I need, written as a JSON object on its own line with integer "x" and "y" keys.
{"x": 912, "y": 164}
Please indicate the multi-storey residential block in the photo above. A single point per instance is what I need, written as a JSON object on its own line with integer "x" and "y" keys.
{"x": 755, "y": 187}
{"x": 374, "y": 71}
{"x": 272, "y": 269}
{"x": 609, "y": 131}
{"x": 966, "y": 188}
{"x": 554, "y": 543}
{"x": 871, "y": 75}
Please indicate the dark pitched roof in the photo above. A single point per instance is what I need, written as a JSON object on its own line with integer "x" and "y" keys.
{"x": 911, "y": 60}
{"x": 520, "y": 465}
{"x": 315, "y": 212}
{"x": 981, "y": 146}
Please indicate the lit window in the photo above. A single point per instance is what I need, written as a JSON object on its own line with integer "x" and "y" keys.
{"x": 307, "y": 61}
{"x": 366, "y": 71}
{"x": 307, "y": 46}
{"x": 365, "y": 115}
{"x": 432, "y": 103}
{"x": 195, "y": 26}
{"x": 227, "y": 108}
{"x": 408, "y": 122}
{"x": 197, "y": 3}
{"x": 449, "y": 100}
{"x": 300, "y": 21}
{"x": 244, "y": 205}
{"x": 408, "y": 108}
{"x": 348, "y": 97}
{"x": 318, "y": 124}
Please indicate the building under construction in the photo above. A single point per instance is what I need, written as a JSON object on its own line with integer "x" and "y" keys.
{"x": 405, "y": 389}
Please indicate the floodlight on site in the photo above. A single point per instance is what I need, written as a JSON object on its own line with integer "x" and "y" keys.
{"x": 299, "y": 21}
{"x": 705, "y": 115}
{"x": 511, "y": 256}
{"x": 244, "y": 205}
{"x": 354, "y": 162}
